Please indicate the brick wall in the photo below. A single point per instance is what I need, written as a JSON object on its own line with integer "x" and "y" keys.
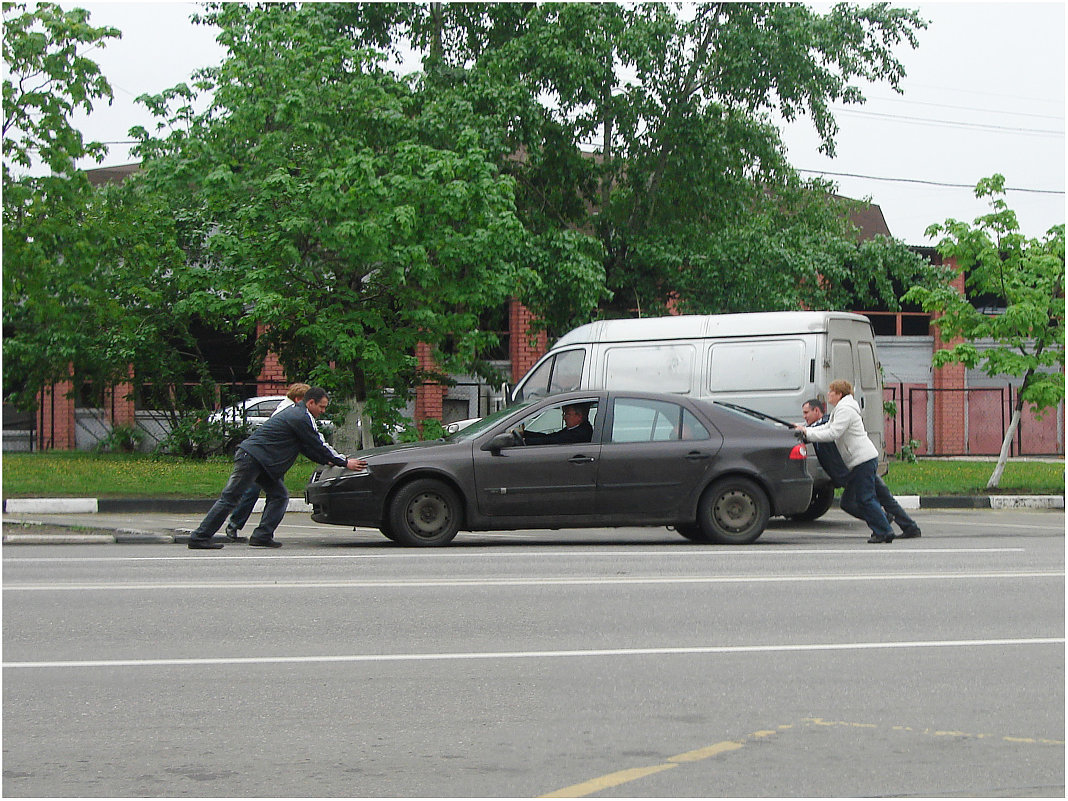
{"x": 55, "y": 416}
{"x": 272, "y": 378}
{"x": 119, "y": 403}
{"x": 949, "y": 411}
{"x": 430, "y": 395}
{"x": 524, "y": 350}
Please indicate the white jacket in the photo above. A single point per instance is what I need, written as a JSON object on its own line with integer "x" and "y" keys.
{"x": 846, "y": 430}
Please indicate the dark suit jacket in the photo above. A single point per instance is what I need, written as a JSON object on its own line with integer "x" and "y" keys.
{"x": 830, "y": 459}
{"x": 583, "y": 432}
{"x": 276, "y": 443}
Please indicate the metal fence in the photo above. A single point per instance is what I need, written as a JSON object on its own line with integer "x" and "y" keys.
{"x": 969, "y": 422}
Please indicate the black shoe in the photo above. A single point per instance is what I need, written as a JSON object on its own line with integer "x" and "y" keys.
{"x": 231, "y": 533}
{"x": 272, "y": 543}
{"x": 909, "y": 533}
{"x": 204, "y": 545}
{"x": 877, "y": 538}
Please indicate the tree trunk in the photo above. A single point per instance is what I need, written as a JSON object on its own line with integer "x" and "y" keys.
{"x": 1006, "y": 445}
{"x": 348, "y": 436}
{"x": 1014, "y": 423}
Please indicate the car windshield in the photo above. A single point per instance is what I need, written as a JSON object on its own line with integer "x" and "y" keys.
{"x": 476, "y": 428}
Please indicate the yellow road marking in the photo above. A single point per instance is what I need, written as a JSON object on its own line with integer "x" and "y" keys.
{"x": 611, "y": 780}
{"x": 632, "y": 774}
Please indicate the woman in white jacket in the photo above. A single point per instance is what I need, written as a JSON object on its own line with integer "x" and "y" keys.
{"x": 846, "y": 430}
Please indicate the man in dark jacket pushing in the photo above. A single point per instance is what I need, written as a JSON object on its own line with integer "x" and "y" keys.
{"x": 264, "y": 458}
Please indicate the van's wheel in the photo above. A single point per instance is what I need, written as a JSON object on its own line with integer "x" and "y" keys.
{"x": 733, "y": 511}
{"x": 387, "y": 532}
{"x": 423, "y": 513}
{"x": 818, "y": 506}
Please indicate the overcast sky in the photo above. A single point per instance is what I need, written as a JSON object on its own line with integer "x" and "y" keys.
{"x": 984, "y": 93}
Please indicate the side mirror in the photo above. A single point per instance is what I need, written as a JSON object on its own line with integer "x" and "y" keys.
{"x": 499, "y": 443}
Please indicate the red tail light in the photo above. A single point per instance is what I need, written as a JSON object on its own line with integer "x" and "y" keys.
{"x": 799, "y": 451}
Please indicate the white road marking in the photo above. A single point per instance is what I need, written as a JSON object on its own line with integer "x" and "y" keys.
{"x": 602, "y": 652}
{"x": 548, "y": 581}
{"x": 467, "y": 555}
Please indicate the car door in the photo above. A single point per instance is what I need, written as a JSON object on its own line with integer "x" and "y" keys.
{"x": 654, "y": 455}
{"x": 540, "y": 480}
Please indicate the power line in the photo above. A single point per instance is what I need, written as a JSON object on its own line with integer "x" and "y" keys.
{"x": 951, "y": 123}
{"x": 928, "y": 183}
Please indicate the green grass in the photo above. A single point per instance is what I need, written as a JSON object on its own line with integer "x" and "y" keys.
{"x": 952, "y": 477}
{"x": 59, "y": 474}
{"x": 77, "y": 474}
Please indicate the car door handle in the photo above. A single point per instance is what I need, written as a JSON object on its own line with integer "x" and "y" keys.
{"x": 694, "y": 456}
{"x": 581, "y": 459}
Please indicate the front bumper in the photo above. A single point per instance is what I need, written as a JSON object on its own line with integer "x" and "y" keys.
{"x": 343, "y": 500}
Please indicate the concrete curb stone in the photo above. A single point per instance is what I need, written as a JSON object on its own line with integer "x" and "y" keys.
{"x": 80, "y": 534}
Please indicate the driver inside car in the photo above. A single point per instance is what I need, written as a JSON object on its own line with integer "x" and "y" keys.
{"x": 577, "y": 428}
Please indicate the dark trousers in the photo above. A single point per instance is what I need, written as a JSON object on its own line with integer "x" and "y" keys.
{"x": 859, "y": 498}
{"x": 244, "y": 508}
{"x": 894, "y": 512}
{"x": 247, "y": 473}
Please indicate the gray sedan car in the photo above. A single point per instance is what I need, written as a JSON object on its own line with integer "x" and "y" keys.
{"x": 715, "y": 472}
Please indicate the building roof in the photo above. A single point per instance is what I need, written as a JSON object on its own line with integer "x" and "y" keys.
{"x": 111, "y": 175}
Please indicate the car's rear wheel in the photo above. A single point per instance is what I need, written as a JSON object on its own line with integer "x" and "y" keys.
{"x": 733, "y": 511}
{"x": 818, "y": 506}
{"x": 424, "y": 513}
{"x": 387, "y": 531}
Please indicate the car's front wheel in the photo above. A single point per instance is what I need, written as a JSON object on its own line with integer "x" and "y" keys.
{"x": 424, "y": 513}
{"x": 733, "y": 511}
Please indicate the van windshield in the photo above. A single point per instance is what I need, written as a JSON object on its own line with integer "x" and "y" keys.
{"x": 559, "y": 372}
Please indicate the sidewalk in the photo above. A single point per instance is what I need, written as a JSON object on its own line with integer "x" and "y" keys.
{"x": 50, "y": 521}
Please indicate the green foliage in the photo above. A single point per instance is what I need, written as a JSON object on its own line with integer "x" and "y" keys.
{"x": 122, "y": 439}
{"x": 908, "y": 452}
{"x": 48, "y": 249}
{"x": 48, "y": 79}
{"x": 201, "y": 438}
{"x": 1023, "y": 278}
{"x": 689, "y": 193}
{"x": 351, "y": 215}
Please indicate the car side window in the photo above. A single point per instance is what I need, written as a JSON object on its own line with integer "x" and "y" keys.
{"x": 639, "y": 420}
{"x": 551, "y": 419}
{"x": 262, "y": 409}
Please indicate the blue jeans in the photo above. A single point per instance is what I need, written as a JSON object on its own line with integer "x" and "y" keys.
{"x": 894, "y": 512}
{"x": 859, "y": 498}
{"x": 246, "y": 474}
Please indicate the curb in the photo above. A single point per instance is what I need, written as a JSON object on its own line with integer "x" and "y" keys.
{"x": 80, "y": 534}
{"x": 70, "y": 506}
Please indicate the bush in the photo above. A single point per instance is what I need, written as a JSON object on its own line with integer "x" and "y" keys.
{"x": 121, "y": 439}
{"x": 200, "y": 438}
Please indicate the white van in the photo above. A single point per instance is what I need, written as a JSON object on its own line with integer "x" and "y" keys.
{"x": 769, "y": 361}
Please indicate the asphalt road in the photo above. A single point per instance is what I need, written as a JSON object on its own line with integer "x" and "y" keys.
{"x": 608, "y": 663}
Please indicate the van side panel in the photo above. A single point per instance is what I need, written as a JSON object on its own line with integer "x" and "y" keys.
{"x": 661, "y": 367}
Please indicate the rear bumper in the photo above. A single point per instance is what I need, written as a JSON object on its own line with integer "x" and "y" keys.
{"x": 793, "y": 495}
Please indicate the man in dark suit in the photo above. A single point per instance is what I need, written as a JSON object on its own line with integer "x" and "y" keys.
{"x": 577, "y": 428}
{"x": 263, "y": 459}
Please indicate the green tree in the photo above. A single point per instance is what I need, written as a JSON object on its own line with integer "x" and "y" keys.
{"x": 1026, "y": 276}
{"x": 328, "y": 202}
{"x": 48, "y": 246}
{"x": 688, "y": 187}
